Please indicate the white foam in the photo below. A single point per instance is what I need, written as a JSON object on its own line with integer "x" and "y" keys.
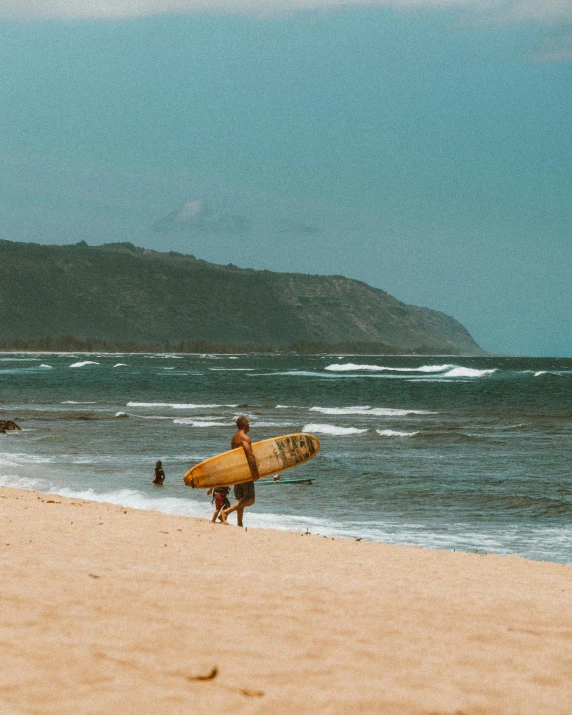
{"x": 83, "y": 363}
{"x": 138, "y": 500}
{"x": 394, "y": 433}
{"x": 201, "y": 423}
{"x": 122, "y": 497}
{"x": 15, "y": 481}
{"x": 207, "y": 418}
{"x": 74, "y": 402}
{"x": 231, "y": 369}
{"x": 121, "y": 364}
{"x": 552, "y": 372}
{"x": 369, "y": 411}
{"x": 122, "y": 414}
{"x": 467, "y": 372}
{"x": 4, "y": 462}
{"x": 331, "y": 429}
{"x": 353, "y": 367}
{"x": 176, "y": 405}
{"x": 48, "y": 366}
{"x": 282, "y": 407}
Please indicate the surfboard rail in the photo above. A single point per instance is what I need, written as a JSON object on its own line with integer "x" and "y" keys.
{"x": 273, "y": 456}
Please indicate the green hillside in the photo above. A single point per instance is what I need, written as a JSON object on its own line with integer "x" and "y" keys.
{"x": 119, "y": 292}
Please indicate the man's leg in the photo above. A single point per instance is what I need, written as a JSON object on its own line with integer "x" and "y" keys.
{"x": 238, "y": 508}
{"x": 225, "y": 512}
{"x": 240, "y": 511}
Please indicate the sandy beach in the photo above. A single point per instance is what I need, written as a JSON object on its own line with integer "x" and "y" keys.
{"x": 118, "y": 611}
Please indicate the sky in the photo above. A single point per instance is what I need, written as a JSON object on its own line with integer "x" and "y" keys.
{"x": 421, "y": 146}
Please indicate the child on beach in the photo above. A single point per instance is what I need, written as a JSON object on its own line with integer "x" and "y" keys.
{"x": 159, "y": 476}
{"x": 220, "y": 500}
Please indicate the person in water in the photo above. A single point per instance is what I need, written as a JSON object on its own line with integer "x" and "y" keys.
{"x": 220, "y": 500}
{"x": 159, "y": 476}
{"x": 244, "y": 493}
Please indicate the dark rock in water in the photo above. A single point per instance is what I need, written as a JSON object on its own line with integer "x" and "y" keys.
{"x": 6, "y": 425}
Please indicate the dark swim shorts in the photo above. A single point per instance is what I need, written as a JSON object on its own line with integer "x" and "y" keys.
{"x": 244, "y": 491}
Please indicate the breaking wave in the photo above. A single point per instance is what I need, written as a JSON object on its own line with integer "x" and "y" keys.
{"x": 468, "y": 372}
{"x": 331, "y": 429}
{"x": 554, "y": 373}
{"x": 76, "y": 402}
{"x": 394, "y": 433}
{"x": 177, "y": 405}
{"x": 369, "y": 411}
{"x": 442, "y": 371}
{"x": 353, "y": 367}
{"x": 201, "y": 423}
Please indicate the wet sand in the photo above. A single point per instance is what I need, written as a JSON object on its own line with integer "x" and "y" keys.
{"x": 116, "y": 611}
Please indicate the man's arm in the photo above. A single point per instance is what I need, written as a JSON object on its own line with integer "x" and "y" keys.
{"x": 247, "y": 446}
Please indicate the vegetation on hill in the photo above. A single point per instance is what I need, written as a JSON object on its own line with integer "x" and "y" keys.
{"x": 69, "y": 343}
{"x": 121, "y": 295}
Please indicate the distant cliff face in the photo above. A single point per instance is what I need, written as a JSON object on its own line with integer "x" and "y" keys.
{"x": 120, "y": 292}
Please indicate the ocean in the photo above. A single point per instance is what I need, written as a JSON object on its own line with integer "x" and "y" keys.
{"x": 471, "y": 454}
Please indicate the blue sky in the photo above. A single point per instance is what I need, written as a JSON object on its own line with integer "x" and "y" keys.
{"x": 424, "y": 148}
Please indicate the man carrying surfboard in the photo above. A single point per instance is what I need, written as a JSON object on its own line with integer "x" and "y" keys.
{"x": 244, "y": 493}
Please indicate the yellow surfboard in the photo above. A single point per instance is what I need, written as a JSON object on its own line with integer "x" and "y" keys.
{"x": 272, "y": 457}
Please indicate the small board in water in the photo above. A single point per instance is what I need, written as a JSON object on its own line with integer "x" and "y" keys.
{"x": 272, "y": 457}
{"x": 286, "y": 481}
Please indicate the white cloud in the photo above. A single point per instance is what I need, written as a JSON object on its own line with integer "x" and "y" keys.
{"x": 551, "y": 12}
{"x": 197, "y": 216}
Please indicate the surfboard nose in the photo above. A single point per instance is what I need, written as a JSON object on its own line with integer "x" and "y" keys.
{"x": 189, "y": 481}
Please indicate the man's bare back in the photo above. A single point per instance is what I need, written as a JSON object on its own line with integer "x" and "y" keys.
{"x": 239, "y": 439}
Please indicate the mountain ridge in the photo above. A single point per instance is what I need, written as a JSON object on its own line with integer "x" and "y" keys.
{"x": 120, "y": 291}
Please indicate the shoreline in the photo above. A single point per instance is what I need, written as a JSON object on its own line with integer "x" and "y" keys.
{"x": 117, "y": 610}
{"x": 155, "y": 507}
{"x": 326, "y": 530}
